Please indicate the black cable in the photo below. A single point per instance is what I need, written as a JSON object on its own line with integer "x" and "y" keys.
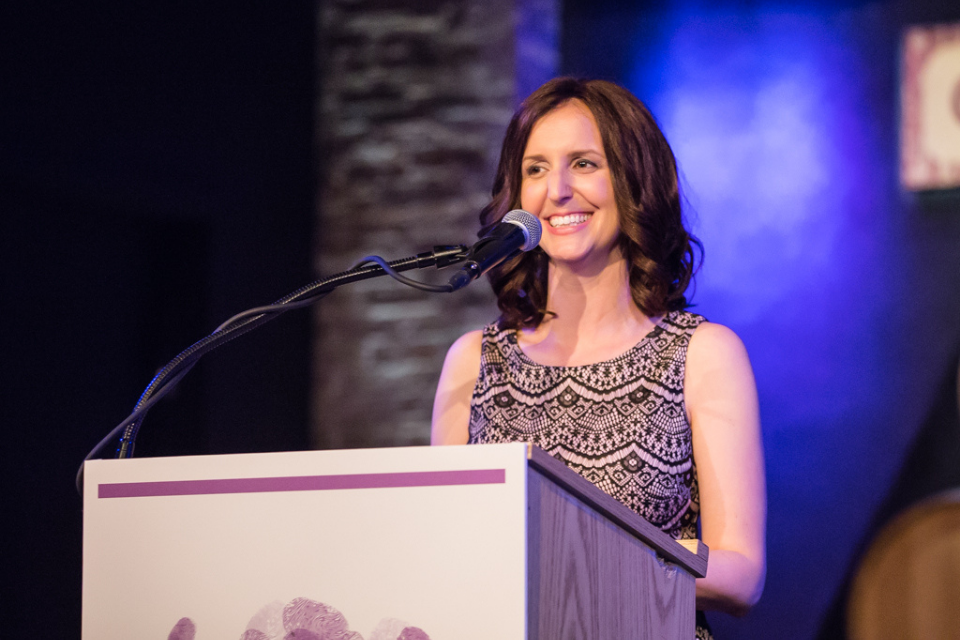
{"x": 416, "y": 284}
{"x": 268, "y": 309}
{"x": 136, "y": 415}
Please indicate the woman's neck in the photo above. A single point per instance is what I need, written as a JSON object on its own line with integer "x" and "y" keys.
{"x": 595, "y": 316}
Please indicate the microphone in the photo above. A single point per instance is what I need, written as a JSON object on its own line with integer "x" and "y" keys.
{"x": 518, "y": 231}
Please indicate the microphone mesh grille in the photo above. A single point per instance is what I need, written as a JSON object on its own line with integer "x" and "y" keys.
{"x": 530, "y": 225}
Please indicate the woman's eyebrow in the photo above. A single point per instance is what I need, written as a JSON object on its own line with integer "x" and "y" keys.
{"x": 575, "y": 152}
{"x": 585, "y": 152}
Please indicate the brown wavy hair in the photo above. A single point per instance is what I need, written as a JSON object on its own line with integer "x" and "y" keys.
{"x": 662, "y": 255}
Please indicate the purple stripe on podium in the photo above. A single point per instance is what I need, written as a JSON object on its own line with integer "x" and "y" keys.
{"x": 302, "y": 483}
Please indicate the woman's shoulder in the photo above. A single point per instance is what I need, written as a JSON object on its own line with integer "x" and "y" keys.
{"x": 463, "y": 357}
{"x": 717, "y": 361}
{"x": 468, "y": 345}
{"x": 711, "y": 338}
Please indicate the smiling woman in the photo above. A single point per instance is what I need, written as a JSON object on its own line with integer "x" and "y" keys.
{"x": 633, "y": 158}
{"x": 594, "y": 358}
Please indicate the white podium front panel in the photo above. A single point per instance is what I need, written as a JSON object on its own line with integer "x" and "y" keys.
{"x": 431, "y": 539}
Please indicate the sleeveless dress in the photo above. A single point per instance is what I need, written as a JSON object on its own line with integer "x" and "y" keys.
{"x": 620, "y": 423}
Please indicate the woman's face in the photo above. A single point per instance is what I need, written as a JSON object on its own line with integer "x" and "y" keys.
{"x": 567, "y": 184}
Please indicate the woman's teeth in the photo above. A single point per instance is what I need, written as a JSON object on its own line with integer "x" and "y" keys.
{"x": 570, "y": 219}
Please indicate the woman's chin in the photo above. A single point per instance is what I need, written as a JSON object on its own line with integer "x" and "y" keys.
{"x": 579, "y": 255}
{"x": 585, "y": 263}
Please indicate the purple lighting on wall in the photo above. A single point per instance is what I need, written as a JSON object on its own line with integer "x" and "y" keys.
{"x": 786, "y": 144}
{"x": 757, "y": 108}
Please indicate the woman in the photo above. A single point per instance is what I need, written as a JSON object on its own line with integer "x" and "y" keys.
{"x": 594, "y": 358}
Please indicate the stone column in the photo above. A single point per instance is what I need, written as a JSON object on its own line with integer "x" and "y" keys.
{"x": 414, "y": 100}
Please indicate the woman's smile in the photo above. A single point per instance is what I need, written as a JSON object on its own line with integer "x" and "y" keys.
{"x": 568, "y": 221}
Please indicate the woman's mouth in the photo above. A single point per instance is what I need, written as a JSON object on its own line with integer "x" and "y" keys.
{"x": 568, "y": 220}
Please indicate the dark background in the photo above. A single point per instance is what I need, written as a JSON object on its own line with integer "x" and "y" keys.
{"x": 158, "y": 173}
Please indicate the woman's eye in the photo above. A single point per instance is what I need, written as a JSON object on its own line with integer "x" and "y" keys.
{"x": 534, "y": 169}
{"x": 583, "y": 164}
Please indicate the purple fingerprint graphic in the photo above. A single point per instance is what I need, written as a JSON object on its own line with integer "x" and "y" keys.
{"x": 305, "y": 619}
{"x": 393, "y": 629}
{"x": 183, "y": 630}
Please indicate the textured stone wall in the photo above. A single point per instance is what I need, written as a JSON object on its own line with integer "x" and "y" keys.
{"x": 414, "y": 99}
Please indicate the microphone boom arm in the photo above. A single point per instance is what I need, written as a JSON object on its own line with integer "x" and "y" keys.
{"x": 176, "y": 369}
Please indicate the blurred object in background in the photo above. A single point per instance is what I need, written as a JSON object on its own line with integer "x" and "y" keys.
{"x": 908, "y": 585}
{"x": 930, "y": 120}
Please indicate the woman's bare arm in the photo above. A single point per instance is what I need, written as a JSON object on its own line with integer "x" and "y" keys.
{"x": 451, "y": 406}
{"x": 721, "y": 399}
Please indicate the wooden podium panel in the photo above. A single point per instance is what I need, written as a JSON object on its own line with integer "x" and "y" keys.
{"x": 597, "y": 569}
{"x": 497, "y": 541}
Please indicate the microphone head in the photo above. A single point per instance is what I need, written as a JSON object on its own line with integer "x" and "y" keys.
{"x": 530, "y": 225}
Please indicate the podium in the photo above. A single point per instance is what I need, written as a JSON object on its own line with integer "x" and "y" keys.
{"x": 446, "y": 543}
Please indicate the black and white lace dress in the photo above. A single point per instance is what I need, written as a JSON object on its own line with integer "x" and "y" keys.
{"x": 620, "y": 423}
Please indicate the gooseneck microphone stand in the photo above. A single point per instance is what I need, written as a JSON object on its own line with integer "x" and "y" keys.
{"x": 174, "y": 371}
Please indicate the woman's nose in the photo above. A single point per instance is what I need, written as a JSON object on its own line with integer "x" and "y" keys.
{"x": 559, "y": 188}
